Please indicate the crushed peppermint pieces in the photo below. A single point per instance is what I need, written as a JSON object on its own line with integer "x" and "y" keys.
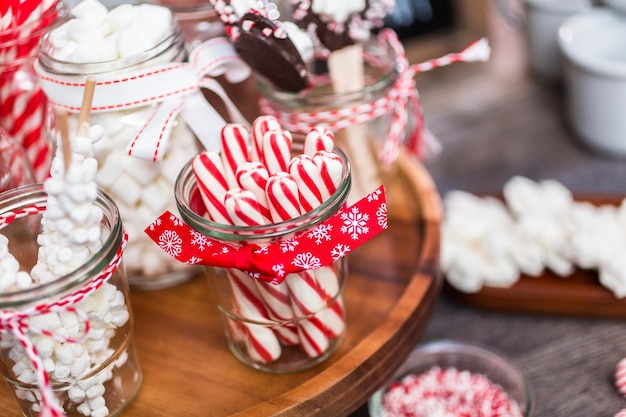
{"x": 448, "y": 392}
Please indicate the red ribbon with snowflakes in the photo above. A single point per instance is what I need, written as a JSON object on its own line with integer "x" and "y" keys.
{"x": 320, "y": 246}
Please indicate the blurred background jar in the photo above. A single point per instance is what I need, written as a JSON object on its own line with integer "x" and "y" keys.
{"x": 22, "y": 103}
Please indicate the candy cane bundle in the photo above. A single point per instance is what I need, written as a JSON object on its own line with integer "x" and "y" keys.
{"x": 256, "y": 182}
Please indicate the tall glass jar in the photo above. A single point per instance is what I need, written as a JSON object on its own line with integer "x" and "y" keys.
{"x": 92, "y": 372}
{"x": 141, "y": 188}
{"x": 371, "y": 123}
{"x": 275, "y": 328}
{"x": 23, "y": 108}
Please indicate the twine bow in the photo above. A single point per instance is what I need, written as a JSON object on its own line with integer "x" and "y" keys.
{"x": 330, "y": 240}
{"x": 401, "y": 100}
{"x": 174, "y": 86}
{"x": 17, "y": 321}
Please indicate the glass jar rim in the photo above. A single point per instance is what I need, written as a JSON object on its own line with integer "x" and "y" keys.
{"x": 35, "y": 194}
{"x": 186, "y": 185}
{"x": 58, "y": 66}
{"x": 386, "y": 80}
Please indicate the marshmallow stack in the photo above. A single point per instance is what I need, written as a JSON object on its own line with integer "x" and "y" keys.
{"x": 538, "y": 226}
{"x": 142, "y": 189}
{"x": 70, "y": 236}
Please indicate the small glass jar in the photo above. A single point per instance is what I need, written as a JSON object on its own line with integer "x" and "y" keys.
{"x": 23, "y": 106}
{"x": 141, "y": 188}
{"x": 274, "y": 328}
{"x": 361, "y": 119}
{"x": 95, "y": 375}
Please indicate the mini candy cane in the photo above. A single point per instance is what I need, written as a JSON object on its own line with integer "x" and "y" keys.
{"x": 253, "y": 176}
{"x": 243, "y": 208}
{"x": 319, "y": 139}
{"x": 307, "y": 176}
{"x": 235, "y": 142}
{"x": 331, "y": 169}
{"x": 620, "y": 377}
{"x": 260, "y": 126}
{"x": 276, "y": 151}
{"x": 212, "y": 183}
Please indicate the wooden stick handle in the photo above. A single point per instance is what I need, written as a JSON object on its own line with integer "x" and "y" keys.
{"x": 85, "y": 107}
{"x": 64, "y": 130}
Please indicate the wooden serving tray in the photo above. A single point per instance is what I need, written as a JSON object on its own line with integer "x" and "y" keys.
{"x": 391, "y": 289}
{"x": 579, "y": 294}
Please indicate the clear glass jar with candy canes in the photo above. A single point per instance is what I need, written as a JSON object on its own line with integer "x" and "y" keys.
{"x": 273, "y": 326}
{"x": 76, "y": 328}
{"x": 149, "y": 103}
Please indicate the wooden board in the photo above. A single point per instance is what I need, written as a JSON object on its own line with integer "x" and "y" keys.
{"x": 391, "y": 289}
{"x": 579, "y": 294}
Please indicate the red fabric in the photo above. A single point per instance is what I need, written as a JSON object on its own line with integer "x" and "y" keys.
{"x": 349, "y": 228}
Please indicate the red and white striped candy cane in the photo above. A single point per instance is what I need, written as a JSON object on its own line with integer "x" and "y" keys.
{"x": 253, "y": 176}
{"x": 276, "y": 151}
{"x": 319, "y": 139}
{"x": 235, "y": 144}
{"x": 307, "y": 295}
{"x": 260, "y": 126}
{"x": 261, "y": 342}
{"x": 313, "y": 193}
{"x": 331, "y": 169}
{"x": 244, "y": 210}
{"x": 209, "y": 172}
{"x": 306, "y": 173}
{"x": 620, "y": 377}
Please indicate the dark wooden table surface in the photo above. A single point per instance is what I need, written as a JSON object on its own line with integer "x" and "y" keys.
{"x": 493, "y": 124}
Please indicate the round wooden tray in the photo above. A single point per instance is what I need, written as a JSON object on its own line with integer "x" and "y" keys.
{"x": 391, "y": 289}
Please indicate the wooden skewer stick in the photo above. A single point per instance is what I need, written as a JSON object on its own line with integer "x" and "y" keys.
{"x": 64, "y": 130}
{"x": 85, "y": 107}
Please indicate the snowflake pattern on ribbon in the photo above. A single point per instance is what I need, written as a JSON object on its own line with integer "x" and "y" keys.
{"x": 320, "y": 246}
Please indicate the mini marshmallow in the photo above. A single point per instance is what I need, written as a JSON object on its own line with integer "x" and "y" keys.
{"x": 121, "y": 16}
{"x": 84, "y": 34}
{"x": 90, "y": 11}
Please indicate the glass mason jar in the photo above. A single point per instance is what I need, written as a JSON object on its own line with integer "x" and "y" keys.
{"x": 361, "y": 119}
{"x": 141, "y": 188}
{"x": 275, "y": 328}
{"x": 23, "y": 107}
{"x": 97, "y": 374}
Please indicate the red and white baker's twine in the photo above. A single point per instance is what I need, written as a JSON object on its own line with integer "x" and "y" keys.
{"x": 17, "y": 321}
{"x": 403, "y": 94}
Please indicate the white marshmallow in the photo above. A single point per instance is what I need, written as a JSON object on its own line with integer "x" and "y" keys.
{"x": 90, "y": 11}
{"x": 121, "y": 16}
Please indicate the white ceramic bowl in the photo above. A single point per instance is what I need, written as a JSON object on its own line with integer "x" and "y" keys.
{"x": 595, "y": 78}
{"x": 464, "y": 357}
